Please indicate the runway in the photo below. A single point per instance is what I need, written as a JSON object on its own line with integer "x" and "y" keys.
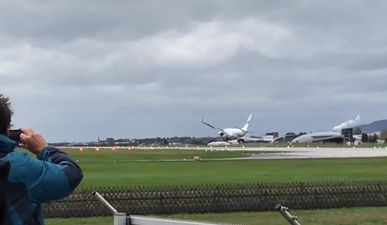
{"x": 319, "y": 153}
{"x": 306, "y": 153}
{"x": 265, "y": 152}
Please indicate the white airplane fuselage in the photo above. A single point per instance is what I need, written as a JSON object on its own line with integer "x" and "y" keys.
{"x": 318, "y": 137}
{"x": 327, "y": 136}
{"x": 232, "y": 133}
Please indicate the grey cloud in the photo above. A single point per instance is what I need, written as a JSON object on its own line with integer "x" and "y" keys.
{"x": 154, "y": 68}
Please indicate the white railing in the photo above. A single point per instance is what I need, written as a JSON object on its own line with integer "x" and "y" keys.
{"x": 123, "y": 219}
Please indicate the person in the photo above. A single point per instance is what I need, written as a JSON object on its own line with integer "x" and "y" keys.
{"x": 28, "y": 181}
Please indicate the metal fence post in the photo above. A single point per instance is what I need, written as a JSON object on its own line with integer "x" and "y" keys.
{"x": 285, "y": 213}
{"x": 118, "y": 218}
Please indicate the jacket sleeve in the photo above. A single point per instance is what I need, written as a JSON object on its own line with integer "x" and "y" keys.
{"x": 58, "y": 175}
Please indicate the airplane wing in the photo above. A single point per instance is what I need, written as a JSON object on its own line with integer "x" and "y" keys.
{"x": 215, "y": 128}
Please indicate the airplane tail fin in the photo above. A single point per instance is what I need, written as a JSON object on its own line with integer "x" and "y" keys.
{"x": 246, "y": 126}
{"x": 347, "y": 124}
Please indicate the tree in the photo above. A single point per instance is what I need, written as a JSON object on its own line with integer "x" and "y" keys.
{"x": 110, "y": 141}
{"x": 383, "y": 135}
{"x": 372, "y": 138}
{"x": 376, "y": 137}
{"x": 364, "y": 137}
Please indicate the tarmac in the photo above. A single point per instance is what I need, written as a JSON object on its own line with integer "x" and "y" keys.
{"x": 306, "y": 153}
{"x": 260, "y": 153}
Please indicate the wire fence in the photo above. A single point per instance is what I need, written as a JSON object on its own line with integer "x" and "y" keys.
{"x": 221, "y": 198}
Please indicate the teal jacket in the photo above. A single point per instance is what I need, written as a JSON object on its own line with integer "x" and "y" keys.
{"x": 31, "y": 181}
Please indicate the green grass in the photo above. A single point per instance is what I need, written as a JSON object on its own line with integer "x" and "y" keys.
{"x": 345, "y": 216}
{"x": 122, "y": 168}
{"x": 119, "y": 168}
{"x": 215, "y": 172}
{"x": 107, "y": 155}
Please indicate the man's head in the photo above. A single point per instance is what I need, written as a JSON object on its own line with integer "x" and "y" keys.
{"x": 5, "y": 114}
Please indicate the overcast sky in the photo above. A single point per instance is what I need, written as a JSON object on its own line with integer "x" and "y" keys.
{"x": 77, "y": 70}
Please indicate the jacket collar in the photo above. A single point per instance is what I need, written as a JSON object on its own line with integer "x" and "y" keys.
{"x": 6, "y": 144}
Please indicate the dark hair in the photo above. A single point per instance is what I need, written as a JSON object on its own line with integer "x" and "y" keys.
{"x": 5, "y": 114}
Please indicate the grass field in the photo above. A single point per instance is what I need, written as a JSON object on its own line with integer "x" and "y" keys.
{"x": 107, "y": 168}
{"x": 346, "y": 216}
{"x": 156, "y": 168}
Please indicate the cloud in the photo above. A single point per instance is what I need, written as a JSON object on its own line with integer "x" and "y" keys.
{"x": 79, "y": 70}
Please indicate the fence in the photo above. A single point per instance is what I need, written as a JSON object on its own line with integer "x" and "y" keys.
{"x": 221, "y": 198}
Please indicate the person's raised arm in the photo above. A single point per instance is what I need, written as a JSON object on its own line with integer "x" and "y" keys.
{"x": 59, "y": 174}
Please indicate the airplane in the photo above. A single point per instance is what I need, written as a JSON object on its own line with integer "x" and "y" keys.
{"x": 333, "y": 136}
{"x": 347, "y": 124}
{"x": 230, "y": 134}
